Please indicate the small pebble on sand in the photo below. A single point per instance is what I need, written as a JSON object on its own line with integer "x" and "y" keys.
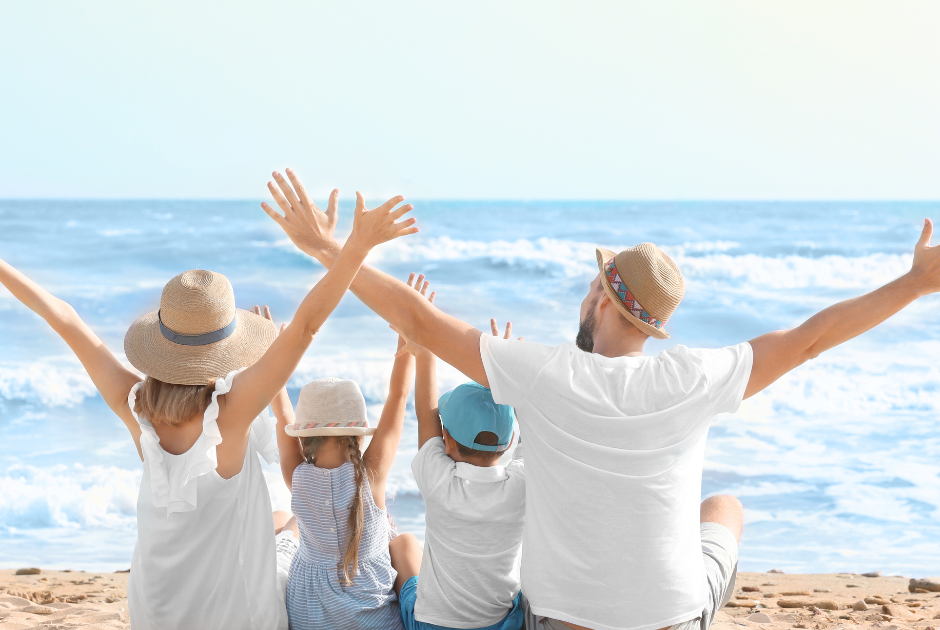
{"x": 29, "y": 571}
{"x": 760, "y": 617}
{"x": 860, "y": 606}
{"x": 872, "y": 574}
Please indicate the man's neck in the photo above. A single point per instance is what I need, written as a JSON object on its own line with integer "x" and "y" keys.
{"x": 619, "y": 341}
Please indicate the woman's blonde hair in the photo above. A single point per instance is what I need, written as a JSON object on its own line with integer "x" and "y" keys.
{"x": 310, "y": 445}
{"x": 170, "y": 404}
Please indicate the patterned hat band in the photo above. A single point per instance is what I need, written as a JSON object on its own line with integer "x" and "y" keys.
{"x": 358, "y": 424}
{"x": 628, "y": 298}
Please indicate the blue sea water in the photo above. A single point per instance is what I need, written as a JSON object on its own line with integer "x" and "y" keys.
{"x": 837, "y": 464}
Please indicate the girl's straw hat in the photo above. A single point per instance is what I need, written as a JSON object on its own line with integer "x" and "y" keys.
{"x": 197, "y": 335}
{"x": 330, "y": 406}
{"x": 644, "y": 284}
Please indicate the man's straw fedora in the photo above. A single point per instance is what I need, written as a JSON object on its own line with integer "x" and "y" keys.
{"x": 330, "y": 407}
{"x": 197, "y": 335}
{"x": 644, "y": 284}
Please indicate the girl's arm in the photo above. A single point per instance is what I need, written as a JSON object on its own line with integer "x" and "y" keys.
{"x": 112, "y": 379}
{"x": 380, "y": 455}
{"x": 289, "y": 451}
{"x": 288, "y": 447}
{"x": 260, "y": 383}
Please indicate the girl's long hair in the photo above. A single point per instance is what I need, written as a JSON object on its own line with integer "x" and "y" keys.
{"x": 170, "y": 404}
{"x": 356, "y": 516}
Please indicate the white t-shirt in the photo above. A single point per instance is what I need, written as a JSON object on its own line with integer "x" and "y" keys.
{"x": 614, "y": 452}
{"x": 473, "y": 541}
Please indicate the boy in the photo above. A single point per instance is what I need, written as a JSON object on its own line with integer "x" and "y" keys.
{"x": 475, "y": 509}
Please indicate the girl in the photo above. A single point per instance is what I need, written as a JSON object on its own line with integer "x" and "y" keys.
{"x": 345, "y": 573}
{"x": 205, "y": 556}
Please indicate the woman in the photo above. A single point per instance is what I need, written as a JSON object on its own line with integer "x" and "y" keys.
{"x": 205, "y": 552}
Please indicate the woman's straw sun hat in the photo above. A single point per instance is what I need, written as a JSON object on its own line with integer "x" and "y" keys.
{"x": 197, "y": 335}
{"x": 644, "y": 284}
{"x": 330, "y": 407}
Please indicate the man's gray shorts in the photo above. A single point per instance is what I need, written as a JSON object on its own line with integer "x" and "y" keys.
{"x": 720, "y": 552}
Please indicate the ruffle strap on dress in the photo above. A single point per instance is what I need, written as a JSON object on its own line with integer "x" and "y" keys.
{"x": 173, "y": 477}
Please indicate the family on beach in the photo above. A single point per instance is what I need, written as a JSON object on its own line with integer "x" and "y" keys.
{"x": 600, "y": 525}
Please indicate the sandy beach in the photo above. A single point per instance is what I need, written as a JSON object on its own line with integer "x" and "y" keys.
{"x": 772, "y": 601}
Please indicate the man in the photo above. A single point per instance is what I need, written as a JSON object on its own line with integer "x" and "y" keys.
{"x": 614, "y": 536}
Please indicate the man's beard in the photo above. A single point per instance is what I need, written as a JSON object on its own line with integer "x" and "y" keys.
{"x": 585, "y": 338}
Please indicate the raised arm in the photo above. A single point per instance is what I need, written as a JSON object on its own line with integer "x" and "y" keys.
{"x": 112, "y": 379}
{"x": 429, "y": 422}
{"x": 380, "y": 455}
{"x": 454, "y": 341}
{"x": 260, "y": 383}
{"x": 777, "y": 353}
{"x": 288, "y": 448}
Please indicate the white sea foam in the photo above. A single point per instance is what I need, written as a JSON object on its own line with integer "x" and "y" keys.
{"x": 61, "y": 496}
{"x": 53, "y": 382}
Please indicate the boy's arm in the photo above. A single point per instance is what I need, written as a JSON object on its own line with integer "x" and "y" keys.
{"x": 429, "y": 420}
{"x": 112, "y": 379}
{"x": 454, "y": 341}
{"x": 777, "y": 353}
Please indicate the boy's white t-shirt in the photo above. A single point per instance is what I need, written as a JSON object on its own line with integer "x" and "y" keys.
{"x": 614, "y": 455}
{"x": 473, "y": 541}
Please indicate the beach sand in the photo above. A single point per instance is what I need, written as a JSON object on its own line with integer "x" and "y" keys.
{"x": 90, "y": 601}
{"x": 63, "y": 599}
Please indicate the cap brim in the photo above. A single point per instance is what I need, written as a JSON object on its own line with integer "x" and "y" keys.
{"x": 328, "y": 431}
{"x": 156, "y": 356}
{"x": 603, "y": 257}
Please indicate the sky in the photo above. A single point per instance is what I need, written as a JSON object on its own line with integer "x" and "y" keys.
{"x": 472, "y": 100}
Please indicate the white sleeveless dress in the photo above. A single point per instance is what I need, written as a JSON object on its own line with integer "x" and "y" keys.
{"x": 205, "y": 545}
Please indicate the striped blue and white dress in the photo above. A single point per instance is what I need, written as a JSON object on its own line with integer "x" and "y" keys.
{"x": 316, "y": 595}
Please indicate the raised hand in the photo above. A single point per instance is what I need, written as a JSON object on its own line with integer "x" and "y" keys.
{"x": 376, "y": 226}
{"x": 420, "y": 285}
{"x": 495, "y": 330}
{"x": 267, "y": 315}
{"x": 926, "y": 267}
{"x": 310, "y": 229}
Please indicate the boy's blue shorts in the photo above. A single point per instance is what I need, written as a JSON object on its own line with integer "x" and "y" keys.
{"x": 409, "y": 595}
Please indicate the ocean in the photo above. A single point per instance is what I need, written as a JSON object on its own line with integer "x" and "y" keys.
{"x": 837, "y": 464}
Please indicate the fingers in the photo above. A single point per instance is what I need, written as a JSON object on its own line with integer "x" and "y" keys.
{"x": 403, "y": 224}
{"x": 257, "y": 310}
{"x": 424, "y": 287}
{"x": 279, "y": 199}
{"x": 332, "y": 207}
{"x": 432, "y": 296}
{"x": 411, "y": 280}
{"x": 419, "y": 282}
{"x": 360, "y": 203}
{"x": 305, "y": 200}
{"x": 508, "y": 330}
{"x": 926, "y": 234}
{"x": 271, "y": 212}
{"x": 401, "y": 211}
{"x": 405, "y": 232}
{"x": 267, "y": 313}
{"x": 391, "y": 203}
{"x": 288, "y": 191}
{"x": 284, "y": 325}
{"x": 520, "y": 339}
{"x": 494, "y": 328}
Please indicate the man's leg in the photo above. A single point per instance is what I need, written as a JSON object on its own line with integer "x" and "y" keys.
{"x": 726, "y": 510}
{"x": 722, "y": 517}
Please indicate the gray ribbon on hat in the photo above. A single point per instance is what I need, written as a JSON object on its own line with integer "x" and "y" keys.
{"x": 197, "y": 340}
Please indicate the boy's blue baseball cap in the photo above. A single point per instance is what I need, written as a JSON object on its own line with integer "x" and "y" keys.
{"x": 469, "y": 409}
